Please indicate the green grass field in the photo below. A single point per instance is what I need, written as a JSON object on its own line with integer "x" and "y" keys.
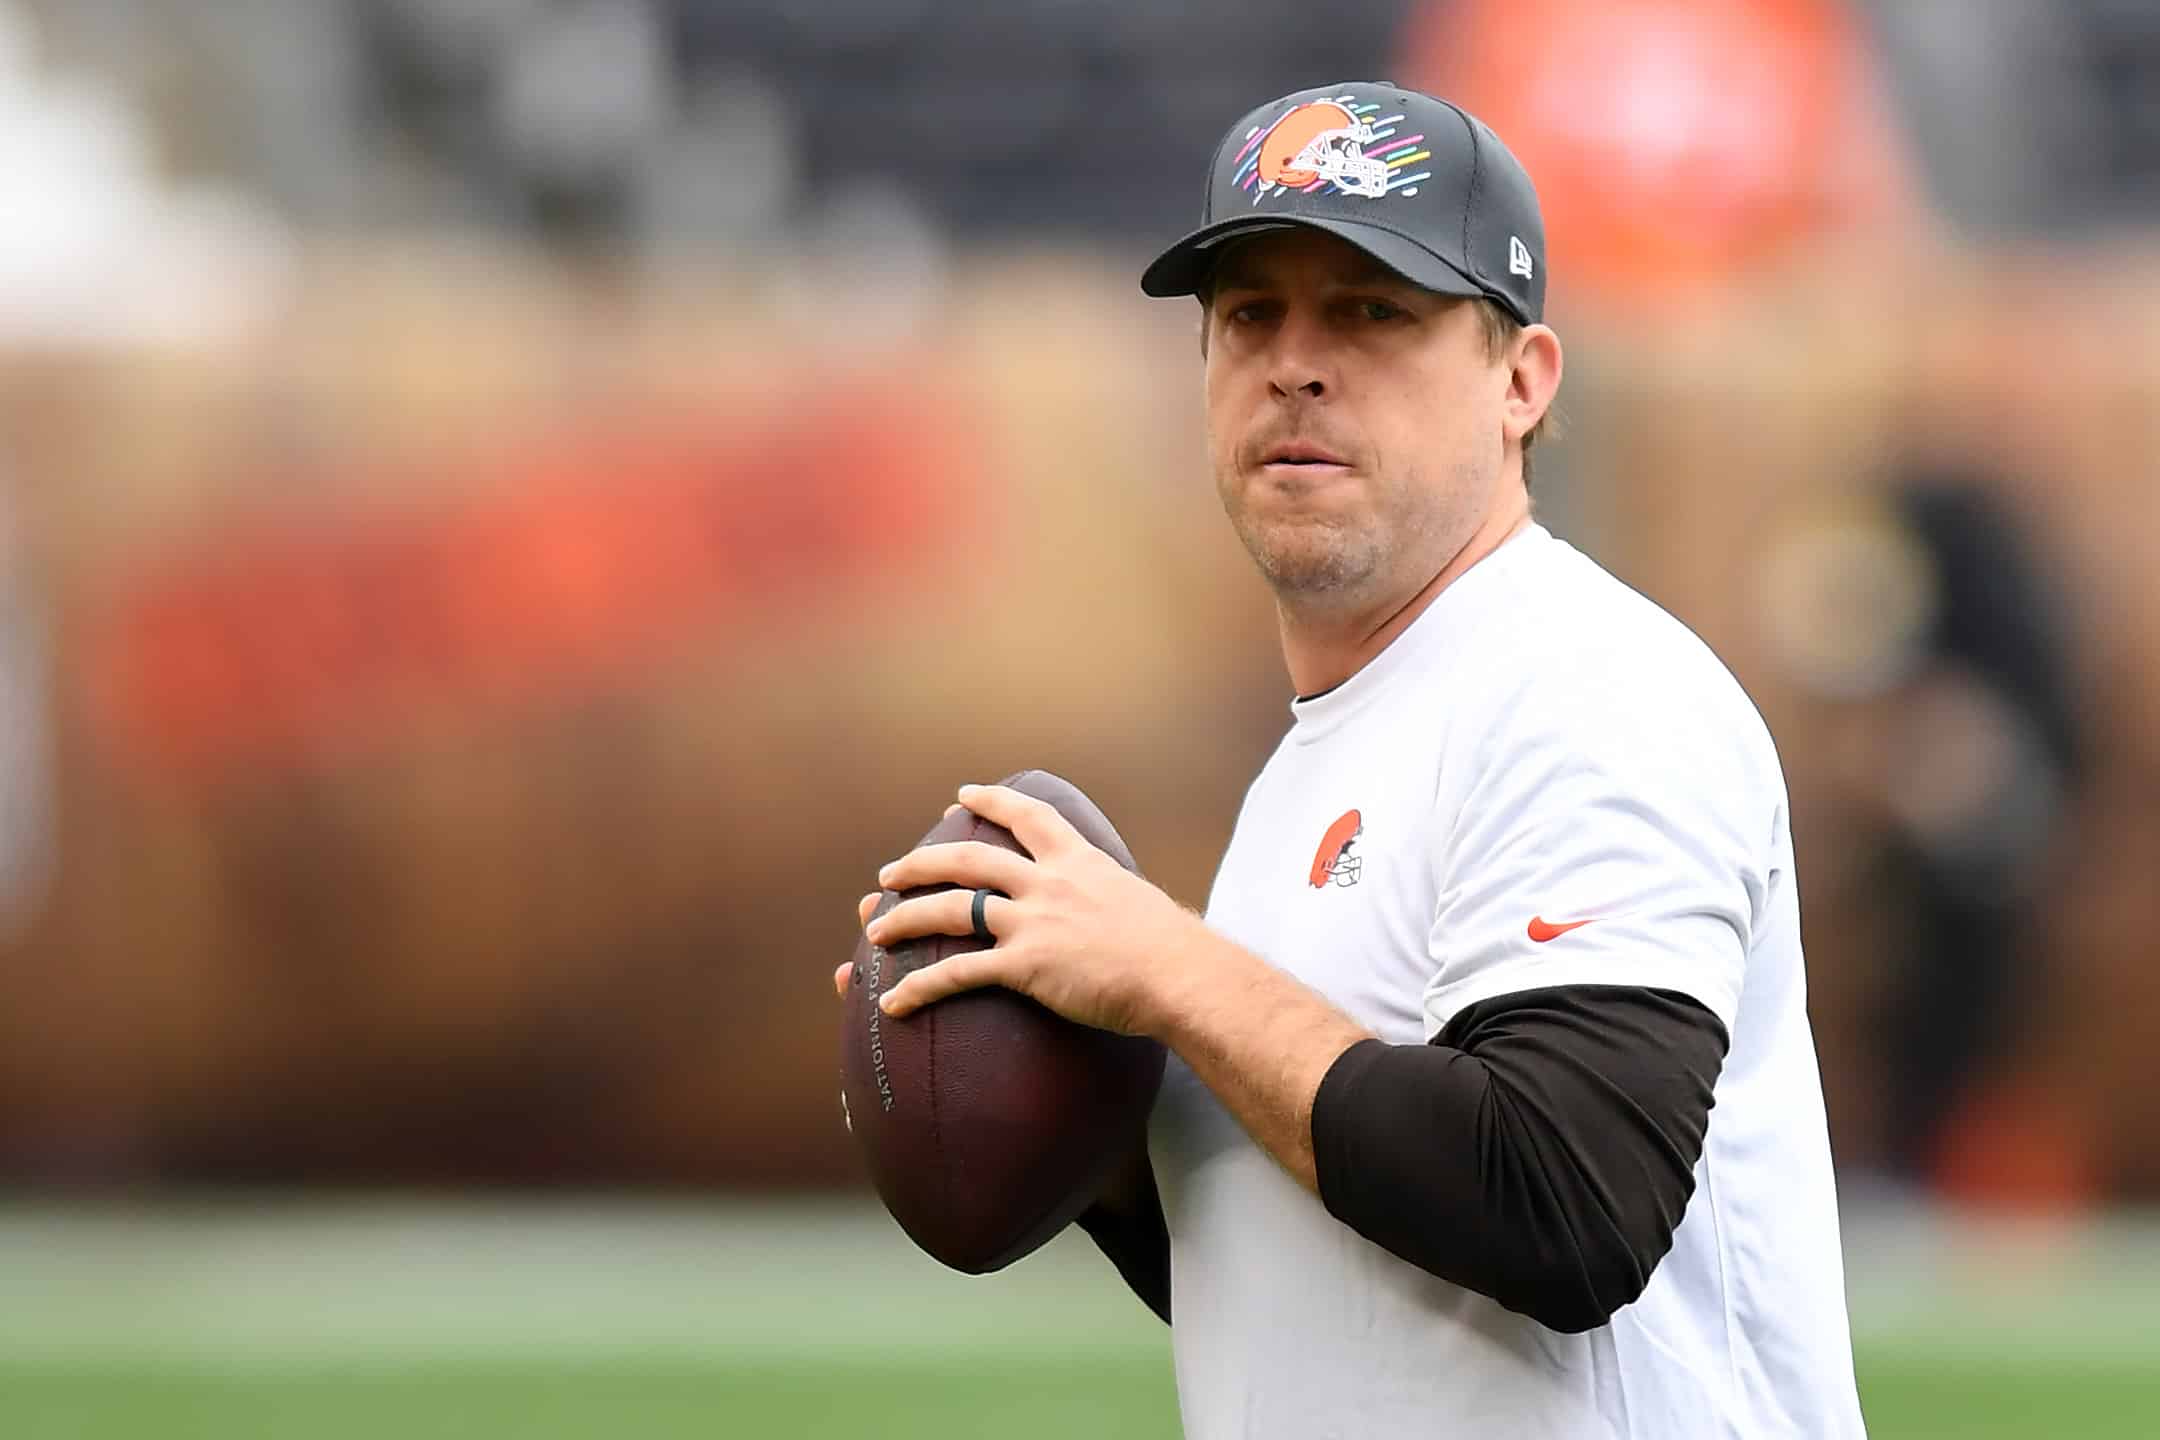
{"x": 382, "y": 1319}
{"x": 1038, "y": 1397}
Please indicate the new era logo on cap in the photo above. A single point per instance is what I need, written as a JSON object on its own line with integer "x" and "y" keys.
{"x": 1414, "y": 181}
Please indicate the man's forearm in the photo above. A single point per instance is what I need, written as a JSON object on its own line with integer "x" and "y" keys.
{"x": 1257, "y": 1038}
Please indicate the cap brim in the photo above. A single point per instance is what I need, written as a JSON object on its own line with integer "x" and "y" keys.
{"x": 1184, "y": 267}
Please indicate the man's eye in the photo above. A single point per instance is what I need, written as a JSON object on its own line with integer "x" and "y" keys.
{"x": 1378, "y": 310}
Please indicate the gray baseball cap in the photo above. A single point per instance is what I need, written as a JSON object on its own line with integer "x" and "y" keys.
{"x": 1417, "y": 183}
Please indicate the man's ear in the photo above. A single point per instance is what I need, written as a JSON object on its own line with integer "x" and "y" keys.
{"x": 1533, "y": 379}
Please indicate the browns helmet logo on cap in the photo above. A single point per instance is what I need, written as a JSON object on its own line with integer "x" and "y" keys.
{"x": 1322, "y": 141}
{"x": 1336, "y": 141}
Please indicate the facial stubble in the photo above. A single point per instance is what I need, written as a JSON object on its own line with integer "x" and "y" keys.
{"x": 1347, "y": 558}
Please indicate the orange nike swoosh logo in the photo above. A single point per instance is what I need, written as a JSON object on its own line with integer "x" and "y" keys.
{"x": 1541, "y": 930}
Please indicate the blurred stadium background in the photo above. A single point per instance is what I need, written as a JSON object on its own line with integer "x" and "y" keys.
{"x": 510, "y": 509}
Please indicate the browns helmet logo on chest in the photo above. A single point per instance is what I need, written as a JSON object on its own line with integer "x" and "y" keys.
{"x": 1337, "y": 862}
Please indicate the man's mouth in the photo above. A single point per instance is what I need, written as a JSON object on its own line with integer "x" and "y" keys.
{"x": 1300, "y": 452}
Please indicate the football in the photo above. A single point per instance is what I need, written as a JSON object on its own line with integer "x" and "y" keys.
{"x": 988, "y": 1122}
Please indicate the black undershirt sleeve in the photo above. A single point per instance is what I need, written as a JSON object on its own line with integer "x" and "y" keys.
{"x": 1541, "y": 1150}
{"x": 1138, "y": 1244}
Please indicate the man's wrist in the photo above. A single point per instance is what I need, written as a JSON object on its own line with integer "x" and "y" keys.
{"x": 1198, "y": 964}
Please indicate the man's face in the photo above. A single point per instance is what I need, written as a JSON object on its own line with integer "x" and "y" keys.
{"x": 1354, "y": 419}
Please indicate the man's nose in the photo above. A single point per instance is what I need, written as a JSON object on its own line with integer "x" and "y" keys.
{"x": 1299, "y": 363}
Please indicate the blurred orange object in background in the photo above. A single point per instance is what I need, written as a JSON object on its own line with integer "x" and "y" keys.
{"x": 598, "y": 550}
{"x": 1676, "y": 145}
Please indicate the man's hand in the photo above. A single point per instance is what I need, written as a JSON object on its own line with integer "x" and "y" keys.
{"x": 1096, "y": 943}
{"x": 1075, "y": 930}
{"x": 864, "y": 908}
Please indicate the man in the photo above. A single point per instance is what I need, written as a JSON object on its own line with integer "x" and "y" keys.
{"x": 1509, "y": 909}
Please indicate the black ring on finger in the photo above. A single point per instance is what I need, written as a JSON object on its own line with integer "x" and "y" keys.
{"x": 980, "y": 920}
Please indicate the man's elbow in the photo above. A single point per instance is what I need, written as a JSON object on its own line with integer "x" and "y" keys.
{"x": 1582, "y": 1287}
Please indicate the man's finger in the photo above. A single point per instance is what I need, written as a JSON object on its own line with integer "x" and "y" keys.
{"x": 969, "y": 863}
{"x": 949, "y": 912}
{"x": 1034, "y": 823}
{"x": 841, "y": 976}
{"x": 932, "y": 983}
{"x": 866, "y": 907}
